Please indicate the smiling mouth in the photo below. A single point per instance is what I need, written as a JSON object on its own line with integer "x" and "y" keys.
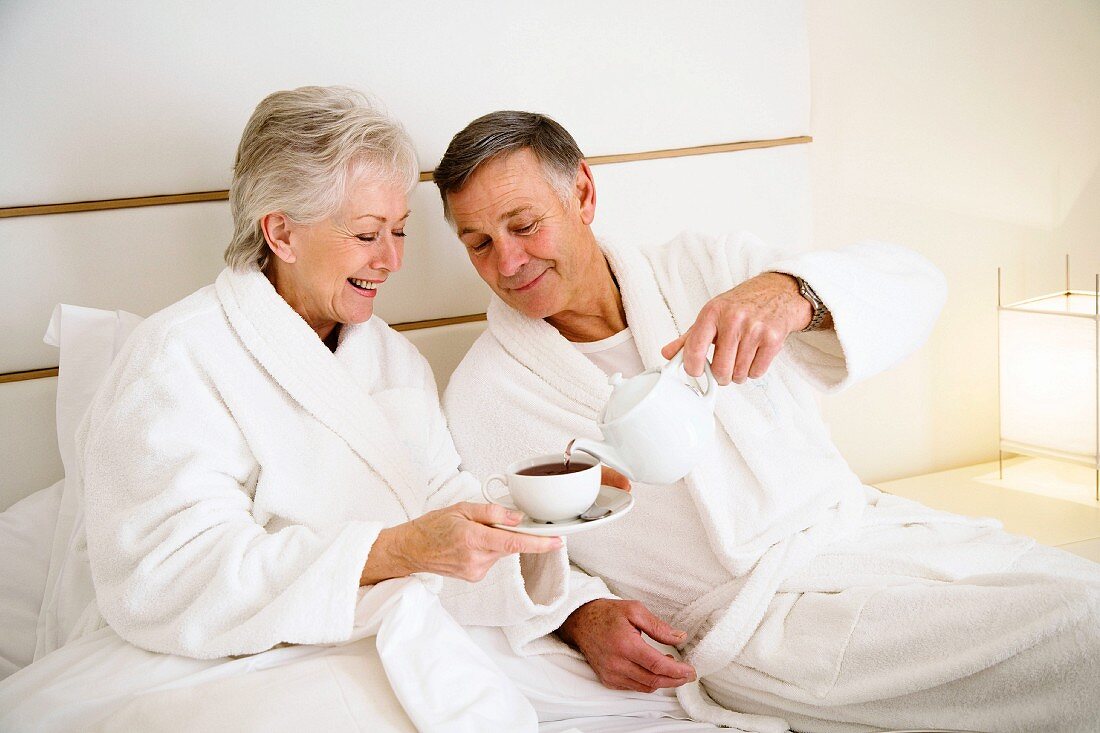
{"x": 362, "y": 284}
{"x": 531, "y": 284}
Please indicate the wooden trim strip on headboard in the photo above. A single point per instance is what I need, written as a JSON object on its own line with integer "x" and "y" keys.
{"x": 407, "y": 326}
{"x": 185, "y": 198}
{"x": 189, "y": 198}
{"x": 29, "y": 374}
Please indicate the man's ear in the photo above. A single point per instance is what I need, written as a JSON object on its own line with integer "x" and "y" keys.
{"x": 585, "y": 190}
{"x": 276, "y": 227}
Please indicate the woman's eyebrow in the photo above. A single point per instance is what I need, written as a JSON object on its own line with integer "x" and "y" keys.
{"x": 381, "y": 218}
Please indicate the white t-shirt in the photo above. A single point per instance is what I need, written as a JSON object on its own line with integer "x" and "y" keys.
{"x": 643, "y": 570}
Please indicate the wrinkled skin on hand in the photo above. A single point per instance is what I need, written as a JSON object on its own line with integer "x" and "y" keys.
{"x": 747, "y": 325}
{"x": 457, "y": 541}
{"x": 609, "y": 634}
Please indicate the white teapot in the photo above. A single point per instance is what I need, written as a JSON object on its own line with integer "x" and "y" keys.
{"x": 655, "y": 426}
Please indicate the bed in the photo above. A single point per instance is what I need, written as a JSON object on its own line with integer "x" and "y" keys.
{"x": 112, "y": 203}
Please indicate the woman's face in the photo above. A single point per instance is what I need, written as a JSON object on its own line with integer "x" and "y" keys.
{"x": 330, "y": 272}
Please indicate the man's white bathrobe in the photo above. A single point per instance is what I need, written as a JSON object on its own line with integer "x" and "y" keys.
{"x": 236, "y": 474}
{"x": 804, "y": 550}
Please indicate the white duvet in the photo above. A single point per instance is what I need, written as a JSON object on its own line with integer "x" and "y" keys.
{"x": 425, "y": 655}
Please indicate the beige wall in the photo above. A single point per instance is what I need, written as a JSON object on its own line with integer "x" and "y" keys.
{"x": 969, "y": 131}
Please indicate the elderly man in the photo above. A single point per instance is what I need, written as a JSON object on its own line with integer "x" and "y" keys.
{"x": 801, "y": 596}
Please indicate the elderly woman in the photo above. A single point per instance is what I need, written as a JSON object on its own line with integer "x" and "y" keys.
{"x": 264, "y": 449}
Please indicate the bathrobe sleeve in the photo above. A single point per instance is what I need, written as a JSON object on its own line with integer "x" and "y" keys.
{"x": 530, "y": 596}
{"x": 179, "y": 563}
{"x": 884, "y": 298}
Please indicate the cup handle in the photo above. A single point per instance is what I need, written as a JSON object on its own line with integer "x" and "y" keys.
{"x": 485, "y": 487}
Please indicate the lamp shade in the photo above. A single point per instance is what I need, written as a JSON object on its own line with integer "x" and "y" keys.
{"x": 1048, "y": 377}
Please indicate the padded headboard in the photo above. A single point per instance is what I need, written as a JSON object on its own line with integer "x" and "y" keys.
{"x": 112, "y": 113}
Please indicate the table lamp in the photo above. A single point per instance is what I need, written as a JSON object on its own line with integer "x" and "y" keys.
{"x": 1049, "y": 376}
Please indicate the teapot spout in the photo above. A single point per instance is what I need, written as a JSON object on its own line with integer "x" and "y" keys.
{"x": 604, "y": 453}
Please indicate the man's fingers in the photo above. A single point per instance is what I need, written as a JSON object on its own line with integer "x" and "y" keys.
{"x": 763, "y": 359}
{"x": 662, "y": 665}
{"x": 725, "y": 350}
{"x": 669, "y": 350}
{"x": 699, "y": 338}
{"x": 746, "y": 352}
{"x": 644, "y": 620}
{"x": 646, "y": 681}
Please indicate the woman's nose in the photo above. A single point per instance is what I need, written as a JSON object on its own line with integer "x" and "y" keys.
{"x": 389, "y": 254}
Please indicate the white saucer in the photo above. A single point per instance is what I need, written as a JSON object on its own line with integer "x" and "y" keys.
{"x": 618, "y": 500}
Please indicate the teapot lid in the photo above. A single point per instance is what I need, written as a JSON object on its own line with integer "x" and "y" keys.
{"x": 627, "y": 393}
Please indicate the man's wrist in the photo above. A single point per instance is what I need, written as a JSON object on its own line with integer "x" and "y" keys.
{"x": 802, "y": 310}
{"x": 818, "y": 313}
{"x": 565, "y": 632}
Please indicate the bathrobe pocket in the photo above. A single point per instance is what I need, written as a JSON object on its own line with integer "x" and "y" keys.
{"x": 803, "y": 638}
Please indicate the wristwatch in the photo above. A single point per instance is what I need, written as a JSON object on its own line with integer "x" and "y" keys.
{"x": 820, "y": 310}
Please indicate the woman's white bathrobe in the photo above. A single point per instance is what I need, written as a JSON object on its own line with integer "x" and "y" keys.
{"x": 523, "y": 390}
{"x": 236, "y": 473}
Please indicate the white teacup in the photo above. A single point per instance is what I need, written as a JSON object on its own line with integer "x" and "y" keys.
{"x": 550, "y": 498}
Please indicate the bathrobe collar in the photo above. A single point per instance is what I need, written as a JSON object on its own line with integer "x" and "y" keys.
{"x": 539, "y": 346}
{"x": 290, "y": 351}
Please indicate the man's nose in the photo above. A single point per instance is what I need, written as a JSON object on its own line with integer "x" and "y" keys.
{"x": 511, "y": 256}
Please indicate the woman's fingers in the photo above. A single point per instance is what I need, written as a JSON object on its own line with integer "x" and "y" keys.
{"x": 504, "y": 542}
{"x": 489, "y": 514}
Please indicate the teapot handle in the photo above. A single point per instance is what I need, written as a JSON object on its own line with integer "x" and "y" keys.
{"x": 711, "y": 389}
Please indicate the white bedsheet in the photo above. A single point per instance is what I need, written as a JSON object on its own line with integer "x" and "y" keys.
{"x": 437, "y": 674}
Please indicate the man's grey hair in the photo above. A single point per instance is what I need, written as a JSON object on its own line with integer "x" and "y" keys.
{"x": 498, "y": 133}
{"x": 299, "y": 152}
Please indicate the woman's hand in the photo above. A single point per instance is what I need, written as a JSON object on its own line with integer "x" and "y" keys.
{"x": 456, "y": 541}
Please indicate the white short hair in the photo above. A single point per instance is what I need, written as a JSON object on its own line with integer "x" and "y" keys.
{"x": 297, "y": 155}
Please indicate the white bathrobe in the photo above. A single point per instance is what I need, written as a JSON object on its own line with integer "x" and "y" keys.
{"x": 236, "y": 474}
{"x": 776, "y": 501}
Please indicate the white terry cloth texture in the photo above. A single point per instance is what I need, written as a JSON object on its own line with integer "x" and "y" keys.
{"x": 406, "y": 666}
{"x": 1016, "y": 651}
{"x": 236, "y": 473}
{"x": 775, "y": 493}
{"x": 196, "y": 550}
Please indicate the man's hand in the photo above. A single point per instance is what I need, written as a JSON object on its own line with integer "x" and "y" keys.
{"x": 610, "y": 477}
{"x": 457, "y": 541}
{"x": 609, "y": 634}
{"x": 747, "y": 326}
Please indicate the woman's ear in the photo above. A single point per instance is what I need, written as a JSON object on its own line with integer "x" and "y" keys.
{"x": 276, "y": 227}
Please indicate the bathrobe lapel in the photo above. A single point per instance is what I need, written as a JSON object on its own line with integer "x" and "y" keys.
{"x": 539, "y": 347}
{"x": 290, "y": 352}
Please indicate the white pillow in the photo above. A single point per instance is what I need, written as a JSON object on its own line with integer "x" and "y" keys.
{"x": 89, "y": 339}
{"x": 37, "y": 532}
{"x": 26, "y": 529}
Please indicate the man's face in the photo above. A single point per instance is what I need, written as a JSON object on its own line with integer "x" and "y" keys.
{"x": 528, "y": 246}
